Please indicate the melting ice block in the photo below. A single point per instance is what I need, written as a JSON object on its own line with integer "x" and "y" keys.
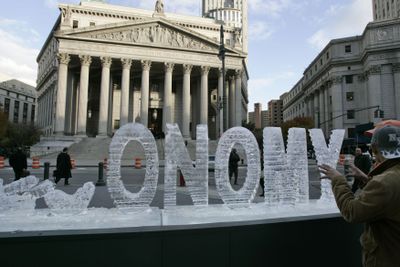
{"x": 21, "y": 195}
{"x": 58, "y": 200}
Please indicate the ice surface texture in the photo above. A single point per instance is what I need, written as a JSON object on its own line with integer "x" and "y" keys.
{"x": 285, "y": 173}
{"x": 21, "y": 195}
{"x": 58, "y": 200}
{"x": 327, "y": 155}
{"x": 194, "y": 173}
{"x": 121, "y": 196}
{"x": 246, "y": 139}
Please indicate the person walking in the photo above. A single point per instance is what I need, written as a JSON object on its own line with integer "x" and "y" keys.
{"x": 378, "y": 203}
{"x": 233, "y": 165}
{"x": 18, "y": 161}
{"x": 63, "y": 167}
{"x": 362, "y": 162}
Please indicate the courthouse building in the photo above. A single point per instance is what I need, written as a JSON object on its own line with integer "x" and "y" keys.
{"x": 353, "y": 79}
{"x": 104, "y": 66}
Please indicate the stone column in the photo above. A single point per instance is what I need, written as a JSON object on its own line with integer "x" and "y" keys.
{"x": 83, "y": 93}
{"x": 337, "y": 102}
{"x": 232, "y": 95}
{"x": 167, "y": 107}
{"x": 104, "y": 95}
{"x": 63, "y": 60}
{"x": 204, "y": 95}
{"x": 126, "y": 75}
{"x": 220, "y": 103}
{"x": 226, "y": 106}
{"x": 316, "y": 109}
{"x": 144, "y": 107}
{"x": 321, "y": 107}
{"x": 396, "y": 74}
{"x": 326, "y": 109}
{"x": 187, "y": 69}
{"x": 374, "y": 89}
{"x": 238, "y": 98}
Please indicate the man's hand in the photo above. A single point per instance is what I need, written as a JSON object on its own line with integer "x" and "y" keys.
{"x": 328, "y": 171}
{"x": 358, "y": 174}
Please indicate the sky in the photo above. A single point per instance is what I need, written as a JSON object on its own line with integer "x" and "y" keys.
{"x": 285, "y": 36}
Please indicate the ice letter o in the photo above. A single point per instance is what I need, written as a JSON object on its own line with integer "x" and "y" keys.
{"x": 122, "y": 197}
{"x": 244, "y": 137}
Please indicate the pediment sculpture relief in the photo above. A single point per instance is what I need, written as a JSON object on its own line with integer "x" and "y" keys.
{"x": 153, "y": 34}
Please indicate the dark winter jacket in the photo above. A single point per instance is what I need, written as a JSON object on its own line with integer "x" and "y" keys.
{"x": 63, "y": 166}
{"x": 18, "y": 161}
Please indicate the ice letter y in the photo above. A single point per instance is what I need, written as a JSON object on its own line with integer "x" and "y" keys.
{"x": 327, "y": 155}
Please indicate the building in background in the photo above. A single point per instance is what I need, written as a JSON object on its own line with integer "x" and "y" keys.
{"x": 353, "y": 81}
{"x": 273, "y": 117}
{"x": 104, "y": 66}
{"x": 18, "y": 101}
{"x": 275, "y": 113}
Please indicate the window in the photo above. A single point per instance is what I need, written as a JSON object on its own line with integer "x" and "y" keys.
{"x": 330, "y": 100}
{"x": 228, "y": 41}
{"x": 349, "y": 79}
{"x": 320, "y": 61}
{"x": 33, "y": 114}
{"x": 25, "y": 113}
{"x": 347, "y": 48}
{"x": 350, "y": 96}
{"x": 351, "y": 114}
{"x": 75, "y": 24}
{"x": 16, "y": 111}
{"x": 327, "y": 55}
{"x": 7, "y": 106}
{"x": 92, "y": 24}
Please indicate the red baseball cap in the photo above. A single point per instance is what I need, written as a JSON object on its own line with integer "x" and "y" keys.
{"x": 381, "y": 124}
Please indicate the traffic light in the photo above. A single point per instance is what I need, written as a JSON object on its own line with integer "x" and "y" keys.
{"x": 379, "y": 114}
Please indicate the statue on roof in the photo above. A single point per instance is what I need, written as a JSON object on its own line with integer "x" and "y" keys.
{"x": 159, "y": 8}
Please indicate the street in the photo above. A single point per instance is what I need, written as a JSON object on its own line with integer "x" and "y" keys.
{"x": 133, "y": 180}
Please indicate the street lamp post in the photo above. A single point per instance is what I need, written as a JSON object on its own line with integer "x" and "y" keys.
{"x": 220, "y": 104}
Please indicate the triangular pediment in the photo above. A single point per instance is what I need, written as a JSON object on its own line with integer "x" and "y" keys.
{"x": 154, "y": 33}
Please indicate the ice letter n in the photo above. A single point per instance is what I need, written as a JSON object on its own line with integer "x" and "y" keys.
{"x": 286, "y": 174}
{"x": 176, "y": 155}
{"x": 122, "y": 197}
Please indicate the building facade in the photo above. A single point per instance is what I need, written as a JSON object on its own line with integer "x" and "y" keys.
{"x": 18, "y": 101}
{"x": 104, "y": 66}
{"x": 350, "y": 80}
{"x": 386, "y": 9}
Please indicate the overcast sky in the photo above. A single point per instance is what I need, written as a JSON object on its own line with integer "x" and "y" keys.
{"x": 285, "y": 36}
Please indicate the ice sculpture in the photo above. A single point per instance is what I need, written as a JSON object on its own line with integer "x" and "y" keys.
{"x": 122, "y": 197}
{"x": 327, "y": 155}
{"x": 195, "y": 173}
{"x": 58, "y": 200}
{"x": 298, "y": 162}
{"x": 21, "y": 186}
{"x": 21, "y": 195}
{"x": 246, "y": 139}
{"x": 278, "y": 176}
